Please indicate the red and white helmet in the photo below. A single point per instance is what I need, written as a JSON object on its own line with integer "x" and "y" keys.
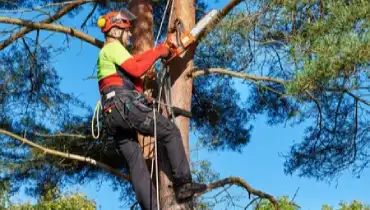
{"x": 120, "y": 19}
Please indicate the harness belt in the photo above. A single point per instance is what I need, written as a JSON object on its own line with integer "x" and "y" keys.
{"x": 121, "y": 85}
{"x": 119, "y": 78}
{"x": 112, "y": 80}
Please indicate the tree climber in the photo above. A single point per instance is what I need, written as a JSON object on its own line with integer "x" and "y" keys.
{"x": 125, "y": 110}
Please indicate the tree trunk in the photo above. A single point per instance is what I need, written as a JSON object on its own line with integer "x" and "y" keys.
{"x": 181, "y": 97}
{"x": 181, "y": 89}
{"x": 142, "y": 40}
{"x": 142, "y": 29}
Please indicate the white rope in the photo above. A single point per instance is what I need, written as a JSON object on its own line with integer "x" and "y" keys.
{"x": 160, "y": 27}
{"x": 154, "y": 111}
{"x": 96, "y": 115}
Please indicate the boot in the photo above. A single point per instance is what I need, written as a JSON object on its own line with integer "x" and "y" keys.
{"x": 187, "y": 190}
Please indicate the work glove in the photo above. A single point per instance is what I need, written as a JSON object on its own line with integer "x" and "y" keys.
{"x": 163, "y": 50}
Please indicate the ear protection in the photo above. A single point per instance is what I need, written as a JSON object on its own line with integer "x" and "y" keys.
{"x": 101, "y": 22}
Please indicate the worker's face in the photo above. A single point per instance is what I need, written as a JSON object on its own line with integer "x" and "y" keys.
{"x": 126, "y": 36}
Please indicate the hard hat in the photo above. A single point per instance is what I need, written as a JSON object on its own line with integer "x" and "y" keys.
{"x": 121, "y": 19}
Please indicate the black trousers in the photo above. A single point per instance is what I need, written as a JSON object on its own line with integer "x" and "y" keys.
{"x": 128, "y": 116}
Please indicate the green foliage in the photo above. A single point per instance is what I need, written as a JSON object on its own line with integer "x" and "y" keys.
{"x": 4, "y": 195}
{"x": 319, "y": 48}
{"x": 71, "y": 202}
{"x": 354, "y": 205}
{"x": 220, "y": 121}
{"x": 284, "y": 203}
{"x": 331, "y": 46}
{"x": 33, "y": 104}
{"x": 202, "y": 172}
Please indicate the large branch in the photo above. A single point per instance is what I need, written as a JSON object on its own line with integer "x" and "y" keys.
{"x": 236, "y": 74}
{"x": 219, "y": 17}
{"x": 44, "y": 6}
{"x": 62, "y": 135}
{"x": 66, "y": 155}
{"x": 241, "y": 183}
{"x": 51, "y": 19}
{"x": 52, "y": 27}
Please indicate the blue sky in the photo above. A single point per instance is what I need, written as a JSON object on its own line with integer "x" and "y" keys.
{"x": 259, "y": 163}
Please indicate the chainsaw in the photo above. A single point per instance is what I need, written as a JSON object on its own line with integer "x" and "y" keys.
{"x": 178, "y": 40}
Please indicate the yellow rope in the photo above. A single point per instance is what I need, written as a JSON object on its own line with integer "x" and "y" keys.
{"x": 96, "y": 115}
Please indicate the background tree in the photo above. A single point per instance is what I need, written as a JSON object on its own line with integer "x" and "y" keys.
{"x": 299, "y": 61}
{"x": 69, "y": 202}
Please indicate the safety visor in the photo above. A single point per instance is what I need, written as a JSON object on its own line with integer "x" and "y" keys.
{"x": 123, "y": 16}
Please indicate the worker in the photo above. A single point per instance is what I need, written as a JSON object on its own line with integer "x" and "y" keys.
{"x": 125, "y": 112}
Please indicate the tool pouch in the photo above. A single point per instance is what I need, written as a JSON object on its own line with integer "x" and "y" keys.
{"x": 123, "y": 107}
{"x": 114, "y": 101}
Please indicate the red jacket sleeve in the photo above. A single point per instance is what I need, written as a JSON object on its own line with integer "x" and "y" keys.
{"x": 140, "y": 63}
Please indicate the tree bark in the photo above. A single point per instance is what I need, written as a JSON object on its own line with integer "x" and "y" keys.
{"x": 142, "y": 40}
{"x": 181, "y": 89}
{"x": 142, "y": 29}
{"x": 181, "y": 97}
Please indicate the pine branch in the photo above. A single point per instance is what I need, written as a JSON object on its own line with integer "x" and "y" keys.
{"x": 66, "y": 155}
{"x": 56, "y": 16}
{"x": 52, "y": 27}
{"x": 63, "y": 135}
{"x": 45, "y": 6}
{"x": 347, "y": 91}
{"x": 241, "y": 183}
{"x": 89, "y": 15}
{"x": 196, "y": 73}
{"x": 221, "y": 183}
